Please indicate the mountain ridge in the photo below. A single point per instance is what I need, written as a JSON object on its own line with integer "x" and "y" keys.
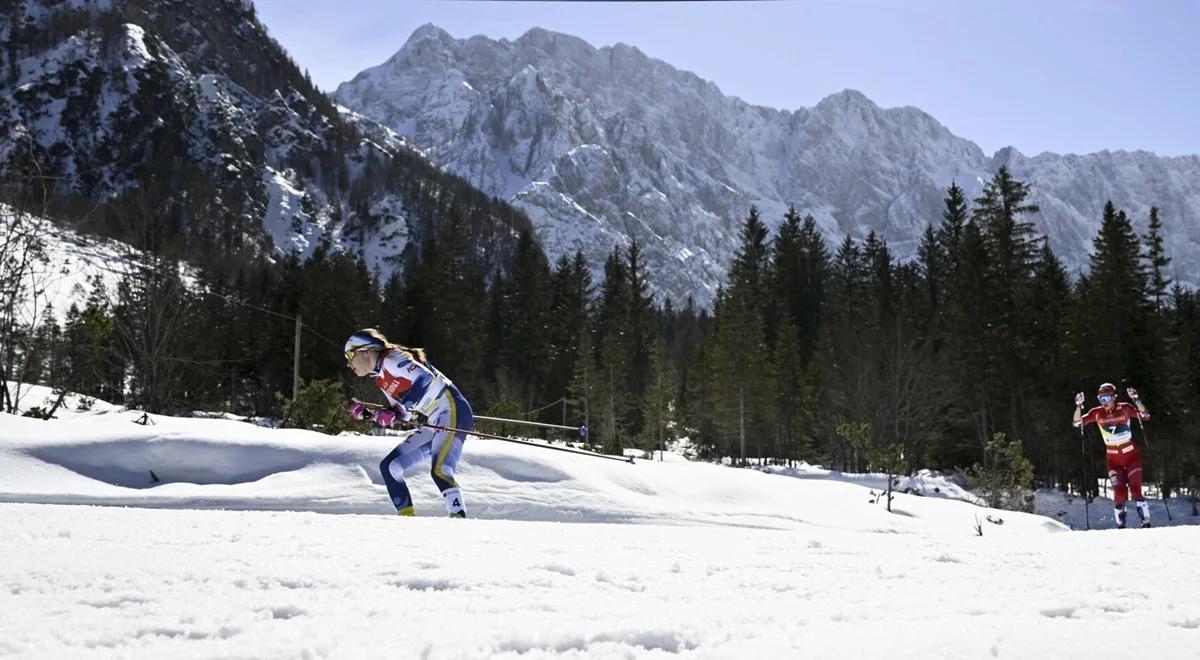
{"x": 604, "y": 145}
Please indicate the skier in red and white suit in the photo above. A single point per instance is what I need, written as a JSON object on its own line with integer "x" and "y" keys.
{"x": 1124, "y": 460}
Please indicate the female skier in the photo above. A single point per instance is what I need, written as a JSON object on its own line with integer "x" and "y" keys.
{"x": 419, "y": 398}
{"x": 1123, "y": 458}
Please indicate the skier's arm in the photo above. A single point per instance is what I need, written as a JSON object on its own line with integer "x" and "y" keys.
{"x": 1080, "y": 419}
{"x": 1139, "y": 410}
{"x": 1140, "y": 407}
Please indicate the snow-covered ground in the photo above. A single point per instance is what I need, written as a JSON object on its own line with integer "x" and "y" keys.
{"x": 217, "y": 540}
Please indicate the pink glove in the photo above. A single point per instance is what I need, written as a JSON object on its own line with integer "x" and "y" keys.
{"x": 399, "y": 417}
{"x": 358, "y": 410}
{"x": 1133, "y": 395}
{"x": 385, "y": 417}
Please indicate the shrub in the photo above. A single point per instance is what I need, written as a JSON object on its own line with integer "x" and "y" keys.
{"x": 320, "y": 406}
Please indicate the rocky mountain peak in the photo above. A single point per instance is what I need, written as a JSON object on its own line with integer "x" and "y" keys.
{"x": 604, "y": 146}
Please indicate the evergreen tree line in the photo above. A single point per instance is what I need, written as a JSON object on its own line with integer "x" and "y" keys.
{"x": 843, "y": 357}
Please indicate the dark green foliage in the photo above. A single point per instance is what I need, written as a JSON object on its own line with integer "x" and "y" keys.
{"x": 1157, "y": 260}
{"x": 320, "y": 406}
{"x": 1005, "y": 477}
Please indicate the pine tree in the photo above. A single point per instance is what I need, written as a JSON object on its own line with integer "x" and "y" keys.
{"x": 640, "y": 337}
{"x": 1117, "y": 301}
{"x": 1157, "y": 261}
{"x": 525, "y": 349}
{"x": 797, "y": 271}
{"x": 699, "y": 415}
{"x": 954, "y": 221}
{"x": 612, "y": 396}
{"x": 810, "y": 316}
{"x": 90, "y": 352}
{"x": 581, "y": 397}
{"x": 614, "y": 347}
{"x": 658, "y": 401}
{"x": 568, "y": 317}
{"x": 1011, "y": 246}
{"x": 792, "y": 413}
{"x": 741, "y": 352}
{"x": 748, "y": 273}
{"x": 932, "y": 263}
{"x": 1051, "y": 371}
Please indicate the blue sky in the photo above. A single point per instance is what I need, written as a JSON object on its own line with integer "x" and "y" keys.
{"x": 1070, "y": 76}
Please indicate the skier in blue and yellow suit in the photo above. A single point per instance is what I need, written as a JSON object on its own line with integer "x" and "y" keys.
{"x": 419, "y": 395}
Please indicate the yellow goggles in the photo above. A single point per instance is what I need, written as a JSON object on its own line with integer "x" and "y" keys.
{"x": 350, "y": 353}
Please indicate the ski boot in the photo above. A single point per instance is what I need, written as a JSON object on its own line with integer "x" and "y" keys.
{"x": 1120, "y": 516}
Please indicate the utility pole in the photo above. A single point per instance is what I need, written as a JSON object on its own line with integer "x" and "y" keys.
{"x": 296, "y": 361}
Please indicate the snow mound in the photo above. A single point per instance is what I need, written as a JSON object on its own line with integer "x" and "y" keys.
{"x": 103, "y": 456}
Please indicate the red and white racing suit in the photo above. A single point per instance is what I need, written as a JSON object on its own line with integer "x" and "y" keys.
{"x": 1123, "y": 458}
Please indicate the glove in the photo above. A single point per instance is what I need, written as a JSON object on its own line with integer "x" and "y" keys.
{"x": 409, "y": 420}
{"x": 400, "y": 417}
{"x": 385, "y": 417}
{"x": 1133, "y": 395}
{"x": 359, "y": 410}
{"x": 1079, "y": 399}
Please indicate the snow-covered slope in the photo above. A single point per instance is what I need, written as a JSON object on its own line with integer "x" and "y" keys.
{"x": 174, "y": 99}
{"x": 93, "y": 452}
{"x": 603, "y": 145}
{"x": 679, "y": 559}
{"x": 68, "y": 267}
{"x": 103, "y": 457}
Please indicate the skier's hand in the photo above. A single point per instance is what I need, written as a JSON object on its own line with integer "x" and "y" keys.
{"x": 1079, "y": 399}
{"x": 408, "y": 420}
{"x": 359, "y": 410}
{"x": 1133, "y": 395}
{"x": 385, "y": 417}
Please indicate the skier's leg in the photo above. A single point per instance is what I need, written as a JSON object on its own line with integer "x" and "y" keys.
{"x": 447, "y": 449}
{"x": 1116, "y": 477}
{"x": 392, "y": 468}
{"x": 1135, "y": 486}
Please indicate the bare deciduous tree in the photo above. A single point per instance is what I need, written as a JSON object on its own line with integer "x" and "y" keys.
{"x": 24, "y": 200}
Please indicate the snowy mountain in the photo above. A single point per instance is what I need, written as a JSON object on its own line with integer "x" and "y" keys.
{"x": 600, "y": 146}
{"x": 211, "y": 537}
{"x": 194, "y": 102}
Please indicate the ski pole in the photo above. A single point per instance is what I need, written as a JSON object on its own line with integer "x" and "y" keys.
{"x": 1087, "y": 520}
{"x": 1146, "y": 438}
{"x": 518, "y": 441}
{"x": 581, "y": 430}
